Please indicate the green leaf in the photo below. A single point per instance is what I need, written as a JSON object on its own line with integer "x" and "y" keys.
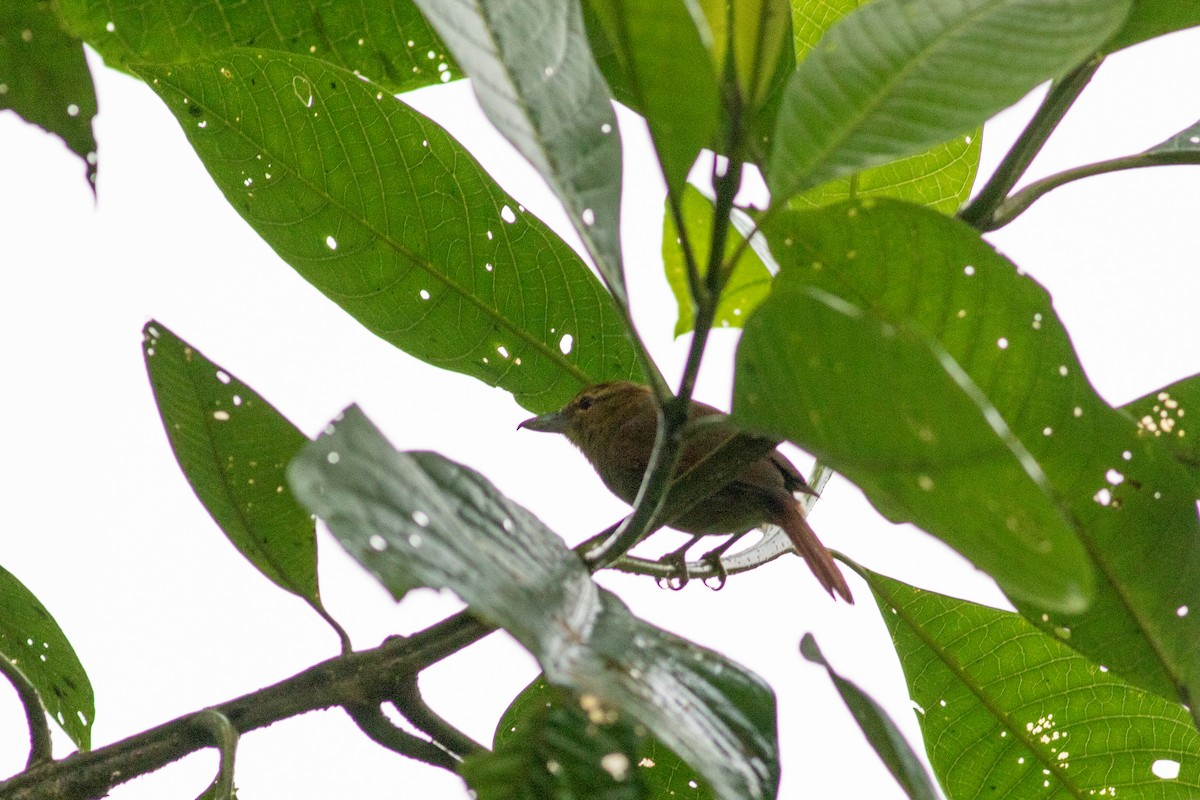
{"x": 748, "y": 284}
{"x": 418, "y": 519}
{"x": 1132, "y": 505}
{"x": 44, "y": 77}
{"x": 33, "y": 643}
{"x": 1151, "y": 18}
{"x": 1162, "y": 415}
{"x": 392, "y": 219}
{"x": 233, "y": 448}
{"x": 559, "y": 749}
{"x": 1008, "y": 711}
{"x": 533, "y": 73}
{"x": 878, "y": 727}
{"x": 884, "y": 403}
{"x": 387, "y": 41}
{"x": 896, "y": 77}
{"x": 553, "y": 743}
{"x": 760, "y": 34}
{"x": 661, "y": 56}
{"x": 940, "y": 177}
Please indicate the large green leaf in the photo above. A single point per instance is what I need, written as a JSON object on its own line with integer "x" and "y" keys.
{"x": 940, "y": 177}
{"x": 661, "y": 56}
{"x": 44, "y": 77}
{"x": 418, "y": 519}
{"x": 532, "y": 70}
{"x": 33, "y": 643}
{"x": 391, "y": 218}
{"x": 932, "y": 279}
{"x": 387, "y": 41}
{"x": 1009, "y": 711}
{"x": 895, "y": 77}
{"x": 748, "y": 284}
{"x": 233, "y": 447}
{"x": 1151, "y": 18}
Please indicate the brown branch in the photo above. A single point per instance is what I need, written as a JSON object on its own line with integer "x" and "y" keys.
{"x": 356, "y": 679}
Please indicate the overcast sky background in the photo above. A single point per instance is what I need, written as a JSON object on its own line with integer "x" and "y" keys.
{"x": 168, "y": 618}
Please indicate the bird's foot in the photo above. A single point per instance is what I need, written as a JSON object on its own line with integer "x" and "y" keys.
{"x": 676, "y": 560}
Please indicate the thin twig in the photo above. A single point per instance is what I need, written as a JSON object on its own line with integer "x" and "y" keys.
{"x": 225, "y": 737}
{"x": 409, "y": 702}
{"x": 381, "y": 730}
{"x": 41, "y": 748}
{"x": 1054, "y": 107}
{"x": 1019, "y": 203}
{"x": 362, "y": 678}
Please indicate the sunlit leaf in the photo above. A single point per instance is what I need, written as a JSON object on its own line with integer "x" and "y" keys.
{"x": 760, "y": 34}
{"x": 44, "y": 77}
{"x": 533, "y": 73}
{"x": 878, "y": 727}
{"x": 387, "y": 41}
{"x": 1009, "y": 711}
{"x": 896, "y": 77}
{"x": 930, "y": 278}
{"x": 418, "y": 519}
{"x": 32, "y": 642}
{"x": 233, "y": 447}
{"x": 392, "y": 219}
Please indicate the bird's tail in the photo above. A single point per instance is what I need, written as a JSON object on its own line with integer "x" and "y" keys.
{"x": 805, "y": 540}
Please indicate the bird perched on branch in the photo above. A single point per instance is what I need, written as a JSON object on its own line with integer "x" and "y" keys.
{"x": 614, "y": 425}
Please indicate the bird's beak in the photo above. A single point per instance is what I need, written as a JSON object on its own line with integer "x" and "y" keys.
{"x": 554, "y": 422}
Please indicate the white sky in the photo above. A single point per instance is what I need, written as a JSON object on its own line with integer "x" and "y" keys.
{"x": 167, "y": 618}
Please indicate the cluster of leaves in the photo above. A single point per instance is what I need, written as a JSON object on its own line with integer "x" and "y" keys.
{"x": 881, "y": 333}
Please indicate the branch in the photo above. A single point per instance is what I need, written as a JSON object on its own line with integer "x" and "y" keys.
{"x": 383, "y": 732}
{"x": 1019, "y": 203}
{"x": 40, "y": 746}
{"x": 1059, "y": 100}
{"x": 356, "y": 679}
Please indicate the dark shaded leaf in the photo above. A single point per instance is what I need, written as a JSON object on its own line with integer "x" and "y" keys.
{"x": 896, "y": 77}
{"x": 392, "y": 219}
{"x": 387, "y": 41}
{"x": 1131, "y": 504}
{"x": 418, "y": 519}
{"x": 532, "y": 70}
{"x": 32, "y": 642}
{"x": 557, "y": 748}
{"x": 879, "y": 729}
{"x": 656, "y": 770}
{"x": 45, "y": 78}
{"x": 1009, "y": 711}
{"x": 1151, "y": 18}
{"x": 233, "y": 448}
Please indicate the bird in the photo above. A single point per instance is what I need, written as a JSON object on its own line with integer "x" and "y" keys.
{"x": 614, "y": 425}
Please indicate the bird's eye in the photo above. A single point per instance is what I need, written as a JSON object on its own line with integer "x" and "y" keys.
{"x": 585, "y": 403}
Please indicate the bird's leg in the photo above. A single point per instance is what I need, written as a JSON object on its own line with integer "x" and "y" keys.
{"x": 713, "y": 559}
{"x": 677, "y": 561}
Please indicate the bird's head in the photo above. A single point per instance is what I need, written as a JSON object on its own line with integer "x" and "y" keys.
{"x": 596, "y": 413}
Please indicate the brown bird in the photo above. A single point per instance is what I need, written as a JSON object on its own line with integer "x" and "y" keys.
{"x": 614, "y": 425}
